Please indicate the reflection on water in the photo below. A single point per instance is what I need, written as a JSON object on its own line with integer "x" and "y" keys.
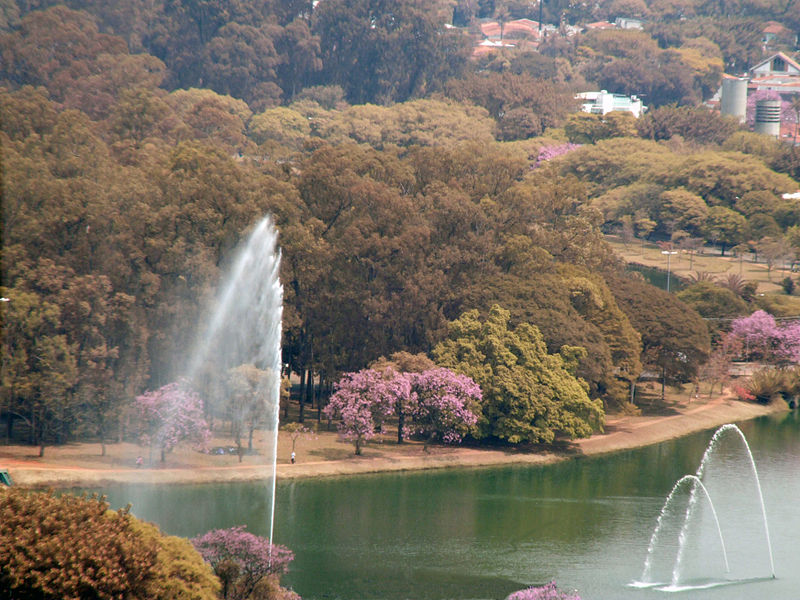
{"x": 483, "y": 533}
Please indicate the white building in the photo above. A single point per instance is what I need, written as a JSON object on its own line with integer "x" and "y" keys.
{"x": 601, "y": 103}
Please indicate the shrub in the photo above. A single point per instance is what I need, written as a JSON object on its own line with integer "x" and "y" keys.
{"x": 68, "y": 548}
{"x": 788, "y": 285}
{"x": 766, "y": 384}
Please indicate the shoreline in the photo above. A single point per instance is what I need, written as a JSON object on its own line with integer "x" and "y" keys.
{"x": 621, "y": 433}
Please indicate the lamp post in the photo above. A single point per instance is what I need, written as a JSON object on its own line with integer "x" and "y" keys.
{"x": 669, "y": 254}
{"x": 540, "y": 22}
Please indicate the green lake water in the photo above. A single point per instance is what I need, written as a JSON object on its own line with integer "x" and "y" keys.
{"x": 483, "y": 533}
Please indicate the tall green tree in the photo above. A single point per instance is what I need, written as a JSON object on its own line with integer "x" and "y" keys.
{"x": 528, "y": 394}
{"x": 675, "y": 339}
{"x": 383, "y": 51}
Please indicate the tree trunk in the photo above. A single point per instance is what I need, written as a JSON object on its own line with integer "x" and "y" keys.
{"x": 41, "y": 449}
{"x": 301, "y": 398}
{"x": 358, "y": 446}
{"x": 288, "y": 400}
{"x": 400, "y": 422}
{"x": 319, "y": 398}
{"x": 310, "y": 388}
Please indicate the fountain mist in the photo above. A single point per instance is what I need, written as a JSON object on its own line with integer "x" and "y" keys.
{"x": 244, "y": 330}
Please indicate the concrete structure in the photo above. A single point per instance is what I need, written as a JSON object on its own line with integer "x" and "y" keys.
{"x": 733, "y": 100}
{"x": 768, "y": 117}
{"x": 601, "y": 103}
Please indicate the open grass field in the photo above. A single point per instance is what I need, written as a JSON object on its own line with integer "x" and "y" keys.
{"x": 708, "y": 259}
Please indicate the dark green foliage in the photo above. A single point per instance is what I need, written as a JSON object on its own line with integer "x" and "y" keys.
{"x": 712, "y": 301}
{"x": 522, "y": 105}
{"x": 739, "y": 38}
{"x": 695, "y": 123}
{"x": 675, "y": 340}
{"x": 404, "y": 43}
{"x": 788, "y": 285}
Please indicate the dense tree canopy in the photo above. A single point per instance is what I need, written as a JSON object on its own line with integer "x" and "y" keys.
{"x": 142, "y": 139}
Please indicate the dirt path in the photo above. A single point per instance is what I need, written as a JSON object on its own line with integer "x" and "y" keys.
{"x": 80, "y": 465}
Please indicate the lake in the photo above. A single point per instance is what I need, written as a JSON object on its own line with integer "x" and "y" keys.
{"x": 483, "y": 533}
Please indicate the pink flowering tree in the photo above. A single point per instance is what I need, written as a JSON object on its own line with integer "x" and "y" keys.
{"x": 296, "y": 431}
{"x": 443, "y": 405}
{"x": 553, "y": 151}
{"x": 169, "y": 415}
{"x": 762, "y": 338}
{"x": 544, "y": 592}
{"x": 241, "y": 559}
{"x": 364, "y": 400}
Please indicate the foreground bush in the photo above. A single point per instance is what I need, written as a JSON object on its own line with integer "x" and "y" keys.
{"x": 544, "y": 592}
{"x": 66, "y": 547}
{"x": 248, "y": 566}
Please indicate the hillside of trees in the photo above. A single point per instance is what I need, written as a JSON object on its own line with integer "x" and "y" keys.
{"x": 410, "y": 185}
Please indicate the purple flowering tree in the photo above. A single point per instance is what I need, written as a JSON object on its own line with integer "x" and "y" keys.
{"x": 169, "y": 415}
{"x": 443, "y": 404}
{"x": 762, "y": 338}
{"x": 364, "y": 400}
{"x": 544, "y": 592}
{"x": 241, "y": 559}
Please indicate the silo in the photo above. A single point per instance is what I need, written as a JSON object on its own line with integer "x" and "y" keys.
{"x": 768, "y": 117}
{"x": 734, "y": 97}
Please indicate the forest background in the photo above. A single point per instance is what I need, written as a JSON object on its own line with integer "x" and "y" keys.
{"x": 410, "y": 182}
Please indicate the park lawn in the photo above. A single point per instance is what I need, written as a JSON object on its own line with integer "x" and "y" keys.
{"x": 708, "y": 259}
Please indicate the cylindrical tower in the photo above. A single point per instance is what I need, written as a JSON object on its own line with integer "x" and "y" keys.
{"x": 768, "y": 117}
{"x": 734, "y": 97}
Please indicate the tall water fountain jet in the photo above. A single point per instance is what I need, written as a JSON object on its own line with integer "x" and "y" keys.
{"x": 244, "y": 332}
{"x": 682, "y": 554}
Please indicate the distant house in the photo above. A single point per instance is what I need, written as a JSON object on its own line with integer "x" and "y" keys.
{"x": 778, "y": 64}
{"x": 774, "y": 33}
{"x": 628, "y": 23}
{"x": 602, "y": 102}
